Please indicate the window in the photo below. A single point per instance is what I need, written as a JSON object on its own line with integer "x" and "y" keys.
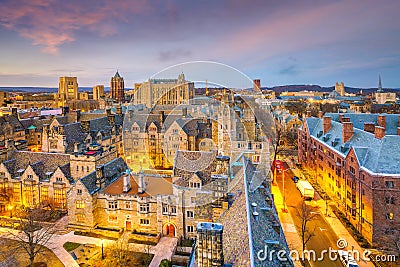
{"x": 165, "y": 209}
{"x": 195, "y": 185}
{"x": 79, "y": 192}
{"x": 77, "y": 168}
{"x": 190, "y": 214}
{"x": 30, "y": 176}
{"x": 44, "y": 193}
{"x": 87, "y": 169}
{"x": 59, "y": 179}
{"x": 83, "y": 168}
{"x": 389, "y": 216}
{"x": 2, "y": 174}
{"x": 60, "y": 197}
{"x": 389, "y": 200}
{"x": 128, "y": 205}
{"x": 190, "y": 229}
{"x": 80, "y": 218}
{"x": 80, "y": 204}
{"x": 17, "y": 192}
{"x": 112, "y": 218}
{"x": 144, "y": 207}
{"x": 112, "y": 205}
{"x": 173, "y": 209}
{"x": 193, "y": 199}
{"x": 389, "y": 184}
{"x": 145, "y": 221}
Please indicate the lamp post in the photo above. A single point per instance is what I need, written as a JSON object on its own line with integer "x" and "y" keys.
{"x": 102, "y": 249}
{"x": 10, "y": 207}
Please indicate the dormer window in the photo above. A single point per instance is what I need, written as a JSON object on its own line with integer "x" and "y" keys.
{"x": 195, "y": 184}
{"x": 59, "y": 179}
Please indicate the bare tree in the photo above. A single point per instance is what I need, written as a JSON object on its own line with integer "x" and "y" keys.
{"x": 120, "y": 250}
{"x": 34, "y": 232}
{"x": 306, "y": 215}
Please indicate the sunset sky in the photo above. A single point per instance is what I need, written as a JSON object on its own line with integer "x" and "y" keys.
{"x": 281, "y": 42}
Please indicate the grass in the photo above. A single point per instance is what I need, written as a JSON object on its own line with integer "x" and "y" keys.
{"x": 70, "y": 246}
{"x": 144, "y": 242}
{"x": 83, "y": 233}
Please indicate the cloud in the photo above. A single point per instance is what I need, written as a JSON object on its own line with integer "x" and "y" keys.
{"x": 290, "y": 70}
{"x": 173, "y": 54}
{"x": 50, "y": 24}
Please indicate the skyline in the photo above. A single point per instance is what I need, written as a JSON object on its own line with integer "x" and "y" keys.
{"x": 280, "y": 43}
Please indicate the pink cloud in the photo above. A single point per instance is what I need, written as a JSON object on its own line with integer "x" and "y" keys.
{"x": 50, "y": 24}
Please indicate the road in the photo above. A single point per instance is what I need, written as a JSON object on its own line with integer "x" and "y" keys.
{"x": 324, "y": 236}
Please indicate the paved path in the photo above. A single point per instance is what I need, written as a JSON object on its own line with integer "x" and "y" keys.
{"x": 163, "y": 250}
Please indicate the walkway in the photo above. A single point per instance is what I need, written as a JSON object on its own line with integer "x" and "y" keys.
{"x": 163, "y": 250}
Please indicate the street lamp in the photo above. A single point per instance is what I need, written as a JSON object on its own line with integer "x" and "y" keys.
{"x": 10, "y": 207}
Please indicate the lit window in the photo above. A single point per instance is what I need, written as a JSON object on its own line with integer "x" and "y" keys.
{"x": 80, "y": 218}
{"x": 112, "y": 218}
{"x": 128, "y": 205}
{"x": 389, "y": 216}
{"x": 80, "y": 204}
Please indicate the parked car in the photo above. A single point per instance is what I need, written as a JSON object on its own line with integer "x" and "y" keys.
{"x": 295, "y": 179}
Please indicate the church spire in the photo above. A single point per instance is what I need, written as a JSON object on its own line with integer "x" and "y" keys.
{"x": 380, "y": 84}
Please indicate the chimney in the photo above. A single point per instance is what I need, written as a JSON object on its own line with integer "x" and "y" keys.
{"x": 162, "y": 117}
{"x": 184, "y": 112}
{"x": 382, "y": 121}
{"x": 85, "y": 126}
{"x": 341, "y": 117}
{"x": 141, "y": 183}
{"x": 345, "y": 119}
{"x": 118, "y": 110}
{"x": 257, "y": 85}
{"x": 369, "y": 127}
{"x": 320, "y": 114}
{"x": 14, "y": 111}
{"x": 78, "y": 115}
{"x": 127, "y": 183}
{"x": 100, "y": 179}
{"x": 347, "y": 131}
{"x": 65, "y": 110}
{"x": 76, "y": 148}
{"x": 327, "y": 124}
{"x": 379, "y": 132}
{"x": 45, "y": 129}
{"x": 308, "y": 113}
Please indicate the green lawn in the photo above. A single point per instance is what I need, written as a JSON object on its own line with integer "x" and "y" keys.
{"x": 70, "y": 246}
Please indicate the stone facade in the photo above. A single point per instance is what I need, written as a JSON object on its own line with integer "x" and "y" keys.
{"x": 67, "y": 90}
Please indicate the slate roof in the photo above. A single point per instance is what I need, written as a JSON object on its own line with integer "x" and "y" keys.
{"x": 380, "y": 156}
{"x": 37, "y": 123}
{"x": 74, "y": 134}
{"x": 112, "y": 171}
{"x": 358, "y": 120}
{"x": 188, "y": 163}
{"x": 40, "y": 162}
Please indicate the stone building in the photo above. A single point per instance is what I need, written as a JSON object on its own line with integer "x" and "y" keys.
{"x": 67, "y": 90}
{"x": 382, "y": 97}
{"x": 355, "y": 159}
{"x": 98, "y": 92}
{"x": 32, "y": 178}
{"x": 209, "y": 239}
{"x": 339, "y": 88}
{"x": 117, "y": 88}
{"x": 164, "y": 92}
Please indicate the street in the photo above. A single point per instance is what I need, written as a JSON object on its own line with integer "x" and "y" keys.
{"x": 324, "y": 236}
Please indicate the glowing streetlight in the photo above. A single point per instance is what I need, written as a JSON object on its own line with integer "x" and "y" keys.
{"x": 10, "y": 208}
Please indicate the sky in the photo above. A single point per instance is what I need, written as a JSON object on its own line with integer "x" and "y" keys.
{"x": 280, "y": 42}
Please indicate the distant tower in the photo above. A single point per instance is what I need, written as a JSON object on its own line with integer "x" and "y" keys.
{"x": 339, "y": 88}
{"x": 380, "y": 90}
{"x": 209, "y": 244}
{"x": 98, "y": 92}
{"x": 117, "y": 88}
{"x": 207, "y": 91}
{"x": 67, "y": 90}
{"x": 257, "y": 85}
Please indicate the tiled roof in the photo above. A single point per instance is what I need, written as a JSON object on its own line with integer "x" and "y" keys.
{"x": 112, "y": 171}
{"x": 358, "y": 120}
{"x": 380, "y": 156}
{"x": 41, "y": 162}
{"x": 188, "y": 163}
{"x": 74, "y": 134}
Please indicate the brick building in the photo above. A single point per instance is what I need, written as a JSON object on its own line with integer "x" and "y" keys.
{"x": 355, "y": 158}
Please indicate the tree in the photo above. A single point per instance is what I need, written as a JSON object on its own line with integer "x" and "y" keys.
{"x": 165, "y": 263}
{"x": 306, "y": 215}
{"x": 34, "y": 233}
{"x": 120, "y": 250}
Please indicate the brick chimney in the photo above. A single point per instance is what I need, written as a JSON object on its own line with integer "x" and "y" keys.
{"x": 347, "y": 131}
{"x": 100, "y": 179}
{"x": 326, "y": 124}
{"x": 382, "y": 121}
{"x": 369, "y": 127}
{"x": 379, "y": 132}
{"x": 345, "y": 119}
{"x": 308, "y": 113}
{"x": 320, "y": 114}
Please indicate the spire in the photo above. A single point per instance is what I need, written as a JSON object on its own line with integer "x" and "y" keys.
{"x": 117, "y": 75}
{"x": 380, "y": 85}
